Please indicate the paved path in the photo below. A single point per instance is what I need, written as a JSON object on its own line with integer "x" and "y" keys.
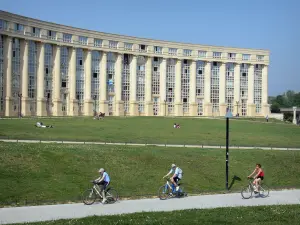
{"x": 139, "y": 144}
{"x": 69, "y": 211}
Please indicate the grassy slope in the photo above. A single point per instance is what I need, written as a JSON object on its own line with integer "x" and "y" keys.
{"x": 262, "y": 215}
{"x": 156, "y": 130}
{"x": 61, "y": 172}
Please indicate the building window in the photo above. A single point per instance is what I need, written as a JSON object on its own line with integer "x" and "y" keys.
{"x": 3, "y": 25}
{"x": 214, "y": 89}
{"x": 32, "y": 74}
{"x": 260, "y": 58}
{"x": 157, "y": 50}
{"x": 155, "y": 106}
{"x": 244, "y": 87}
{"x": 48, "y": 78}
{"x": 97, "y": 43}
{"x": 156, "y": 76}
{"x": 187, "y": 52}
{"x": 19, "y": 27}
{"x": 140, "y": 86}
{"x": 143, "y": 48}
{"x": 200, "y": 79}
{"x": 217, "y": 55}
{"x": 128, "y": 46}
{"x": 170, "y": 85}
{"x": 113, "y": 44}
{"x": 67, "y": 38}
{"x": 231, "y": 56}
{"x": 200, "y": 107}
{"x": 80, "y": 80}
{"x": 16, "y": 73}
{"x": 110, "y": 72}
{"x": 51, "y": 35}
{"x": 83, "y": 40}
{"x": 64, "y": 70}
{"x": 246, "y": 57}
{"x": 95, "y": 93}
{"x": 126, "y": 82}
{"x": 111, "y": 105}
{"x": 258, "y": 87}
{"x": 35, "y": 32}
{"x": 202, "y": 54}
{"x": 172, "y": 51}
{"x": 229, "y": 95}
{"x": 185, "y": 86}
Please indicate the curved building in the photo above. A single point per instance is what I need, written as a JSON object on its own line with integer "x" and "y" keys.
{"x": 51, "y": 69}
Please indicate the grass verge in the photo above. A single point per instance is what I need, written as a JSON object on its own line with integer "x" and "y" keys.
{"x": 32, "y": 173}
{"x": 262, "y": 215}
{"x": 155, "y": 130}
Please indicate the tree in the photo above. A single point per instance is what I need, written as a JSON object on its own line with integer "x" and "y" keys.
{"x": 286, "y": 100}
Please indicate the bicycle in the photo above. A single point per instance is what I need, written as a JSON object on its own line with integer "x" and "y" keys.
{"x": 249, "y": 189}
{"x": 90, "y": 195}
{"x": 165, "y": 191}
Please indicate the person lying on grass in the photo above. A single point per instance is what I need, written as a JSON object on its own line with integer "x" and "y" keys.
{"x": 41, "y": 125}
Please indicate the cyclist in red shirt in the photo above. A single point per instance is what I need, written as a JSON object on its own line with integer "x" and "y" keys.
{"x": 258, "y": 177}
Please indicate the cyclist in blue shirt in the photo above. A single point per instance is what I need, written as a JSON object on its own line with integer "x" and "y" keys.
{"x": 103, "y": 181}
{"x": 177, "y": 176}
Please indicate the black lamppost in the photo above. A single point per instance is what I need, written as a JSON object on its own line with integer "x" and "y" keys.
{"x": 227, "y": 116}
{"x": 94, "y": 97}
{"x": 20, "y": 105}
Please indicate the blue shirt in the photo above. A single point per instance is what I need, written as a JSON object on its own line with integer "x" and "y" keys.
{"x": 177, "y": 171}
{"x": 106, "y": 177}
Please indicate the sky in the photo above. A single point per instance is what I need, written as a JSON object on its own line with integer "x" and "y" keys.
{"x": 262, "y": 24}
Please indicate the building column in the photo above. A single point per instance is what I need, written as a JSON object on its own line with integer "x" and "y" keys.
{"x": 24, "y": 66}
{"x": 250, "y": 102}
{"x": 57, "y": 103}
{"x": 103, "y": 85}
{"x": 193, "y": 104}
{"x": 133, "y": 103}
{"x": 41, "y": 101}
{"x": 295, "y": 115}
{"x": 88, "y": 102}
{"x": 178, "y": 102}
{"x": 265, "y": 105}
{"x": 162, "y": 87}
{"x": 237, "y": 102}
{"x": 207, "y": 111}
{"x": 222, "y": 90}
{"x": 8, "y": 71}
{"x": 148, "y": 87}
{"x": 73, "y": 107}
{"x": 118, "y": 86}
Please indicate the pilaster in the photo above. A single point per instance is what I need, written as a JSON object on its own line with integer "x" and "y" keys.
{"x": 207, "y": 111}
{"x": 178, "y": 102}
{"x": 103, "y": 75}
{"x": 118, "y": 87}
{"x": 193, "y": 105}
{"x": 237, "y": 84}
{"x": 8, "y": 75}
{"x": 133, "y": 109}
{"x": 24, "y": 66}
{"x": 148, "y": 88}
{"x": 88, "y": 102}
{"x": 57, "y": 103}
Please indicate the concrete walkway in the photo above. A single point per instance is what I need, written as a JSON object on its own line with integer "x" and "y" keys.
{"x": 69, "y": 211}
{"x": 139, "y": 144}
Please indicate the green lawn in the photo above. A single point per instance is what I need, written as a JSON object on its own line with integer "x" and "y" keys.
{"x": 257, "y": 215}
{"x": 61, "y": 172}
{"x": 156, "y": 130}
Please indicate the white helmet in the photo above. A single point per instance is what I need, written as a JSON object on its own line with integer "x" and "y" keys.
{"x": 173, "y": 165}
{"x": 101, "y": 170}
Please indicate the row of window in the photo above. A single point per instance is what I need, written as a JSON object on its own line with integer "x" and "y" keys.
{"x": 68, "y": 38}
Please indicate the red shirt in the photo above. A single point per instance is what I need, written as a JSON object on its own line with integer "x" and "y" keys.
{"x": 261, "y": 173}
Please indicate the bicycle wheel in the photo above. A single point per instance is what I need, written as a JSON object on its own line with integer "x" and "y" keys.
{"x": 163, "y": 192}
{"x": 111, "y": 196}
{"x": 247, "y": 192}
{"x": 89, "y": 197}
{"x": 264, "y": 191}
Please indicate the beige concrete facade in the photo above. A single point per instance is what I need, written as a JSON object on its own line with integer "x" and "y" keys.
{"x": 121, "y": 75}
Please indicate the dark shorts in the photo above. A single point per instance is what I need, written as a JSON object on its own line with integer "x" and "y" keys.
{"x": 103, "y": 185}
{"x": 176, "y": 179}
{"x": 260, "y": 177}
